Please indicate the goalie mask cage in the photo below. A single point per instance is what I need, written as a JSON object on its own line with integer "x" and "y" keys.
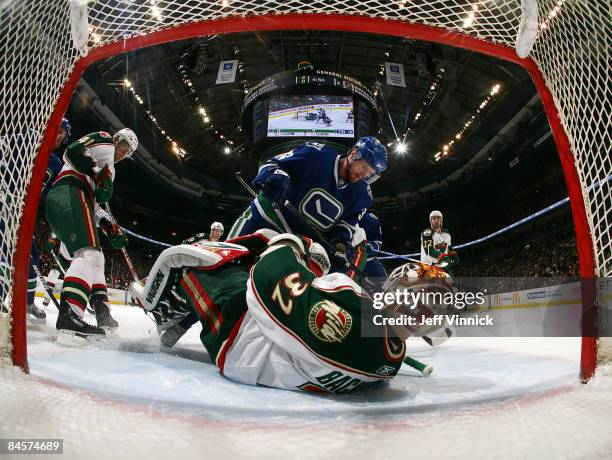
{"x": 47, "y": 45}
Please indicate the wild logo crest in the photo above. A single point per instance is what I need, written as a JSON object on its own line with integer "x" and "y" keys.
{"x": 329, "y": 322}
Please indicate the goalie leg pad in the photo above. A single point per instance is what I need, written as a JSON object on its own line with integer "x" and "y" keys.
{"x": 161, "y": 276}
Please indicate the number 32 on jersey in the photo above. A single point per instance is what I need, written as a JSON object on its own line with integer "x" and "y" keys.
{"x": 294, "y": 285}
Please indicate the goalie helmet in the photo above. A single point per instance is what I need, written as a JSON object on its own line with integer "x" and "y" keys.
{"x": 217, "y": 226}
{"x": 413, "y": 274}
{"x": 127, "y": 135}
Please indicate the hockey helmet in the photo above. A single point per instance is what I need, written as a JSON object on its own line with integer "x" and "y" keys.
{"x": 65, "y": 125}
{"x": 217, "y": 226}
{"x": 435, "y": 214}
{"x": 374, "y": 153}
{"x": 127, "y": 135}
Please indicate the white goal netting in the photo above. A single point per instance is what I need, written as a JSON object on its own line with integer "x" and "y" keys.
{"x": 41, "y": 42}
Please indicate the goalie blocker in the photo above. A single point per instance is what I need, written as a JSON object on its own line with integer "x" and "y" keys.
{"x": 280, "y": 321}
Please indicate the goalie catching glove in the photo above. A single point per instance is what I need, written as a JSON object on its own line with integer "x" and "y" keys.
{"x": 115, "y": 235}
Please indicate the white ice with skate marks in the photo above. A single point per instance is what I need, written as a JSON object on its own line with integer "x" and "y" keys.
{"x": 129, "y": 366}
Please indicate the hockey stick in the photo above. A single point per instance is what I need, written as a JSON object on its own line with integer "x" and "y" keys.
{"x": 126, "y": 256}
{"x": 128, "y": 261}
{"x": 324, "y": 241}
{"x": 423, "y": 368}
{"x": 46, "y": 286}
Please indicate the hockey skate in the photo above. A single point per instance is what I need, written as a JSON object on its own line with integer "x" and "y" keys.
{"x": 169, "y": 312}
{"x": 170, "y": 336}
{"x": 72, "y": 330}
{"x": 35, "y": 314}
{"x": 103, "y": 316}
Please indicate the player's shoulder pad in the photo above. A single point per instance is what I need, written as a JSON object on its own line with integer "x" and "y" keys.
{"x": 427, "y": 233}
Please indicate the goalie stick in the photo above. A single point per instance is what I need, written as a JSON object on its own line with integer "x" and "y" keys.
{"x": 423, "y": 368}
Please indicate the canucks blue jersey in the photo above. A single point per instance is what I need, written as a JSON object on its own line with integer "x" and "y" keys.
{"x": 328, "y": 202}
{"x": 374, "y": 269}
{"x": 371, "y": 225}
{"x": 53, "y": 168}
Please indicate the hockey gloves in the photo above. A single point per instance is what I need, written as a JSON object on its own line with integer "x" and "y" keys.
{"x": 116, "y": 237}
{"x": 275, "y": 184}
{"x": 104, "y": 185}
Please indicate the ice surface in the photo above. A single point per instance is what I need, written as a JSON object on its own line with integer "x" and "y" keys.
{"x": 508, "y": 397}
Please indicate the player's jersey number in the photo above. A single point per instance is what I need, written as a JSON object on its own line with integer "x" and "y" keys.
{"x": 294, "y": 285}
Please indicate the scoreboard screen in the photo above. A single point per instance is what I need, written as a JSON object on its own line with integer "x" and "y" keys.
{"x": 311, "y": 116}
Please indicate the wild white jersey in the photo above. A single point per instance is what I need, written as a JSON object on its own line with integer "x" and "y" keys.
{"x": 434, "y": 243}
{"x": 103, "y": 154}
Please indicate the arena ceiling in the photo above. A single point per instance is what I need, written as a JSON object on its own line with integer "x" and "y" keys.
{"x": 167, "y": 93}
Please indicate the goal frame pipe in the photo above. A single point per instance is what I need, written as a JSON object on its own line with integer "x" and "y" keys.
{"x": 339, "y": 22}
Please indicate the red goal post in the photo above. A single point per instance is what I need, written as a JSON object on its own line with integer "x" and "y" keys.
{"x": 48, "y": 45}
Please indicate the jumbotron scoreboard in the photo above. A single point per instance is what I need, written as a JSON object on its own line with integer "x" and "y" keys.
{"x": 295, "y": 106}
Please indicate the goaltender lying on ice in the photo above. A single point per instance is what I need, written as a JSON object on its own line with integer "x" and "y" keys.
{"x": 272, "y": 315}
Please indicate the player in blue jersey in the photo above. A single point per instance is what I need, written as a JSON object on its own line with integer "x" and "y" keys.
{"x": 53, "y": 168}
{"x": 374, "y": 270}
{"x": 331, "y": 190}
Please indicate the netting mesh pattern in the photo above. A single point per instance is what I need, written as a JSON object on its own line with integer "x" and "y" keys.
{"x": 570, "y": 424}
{"x": 573, "y": 52}
{"x": 37, "y": 55}
{"x": 495, "y": 21}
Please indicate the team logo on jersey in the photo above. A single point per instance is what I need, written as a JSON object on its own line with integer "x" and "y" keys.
{"x": 329, "y": 322}
{"x": 441, "y": 245}
{"x": 321, "y": 208}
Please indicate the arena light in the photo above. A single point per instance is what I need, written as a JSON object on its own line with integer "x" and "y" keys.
{"x": 227, "y": 150}
{"x": 400, "y": 148}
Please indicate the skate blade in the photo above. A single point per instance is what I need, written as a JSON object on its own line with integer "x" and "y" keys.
{"x": 110, "y": 331}
{"x": 34, "y": 320}
{"x": 77, "y": 339}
